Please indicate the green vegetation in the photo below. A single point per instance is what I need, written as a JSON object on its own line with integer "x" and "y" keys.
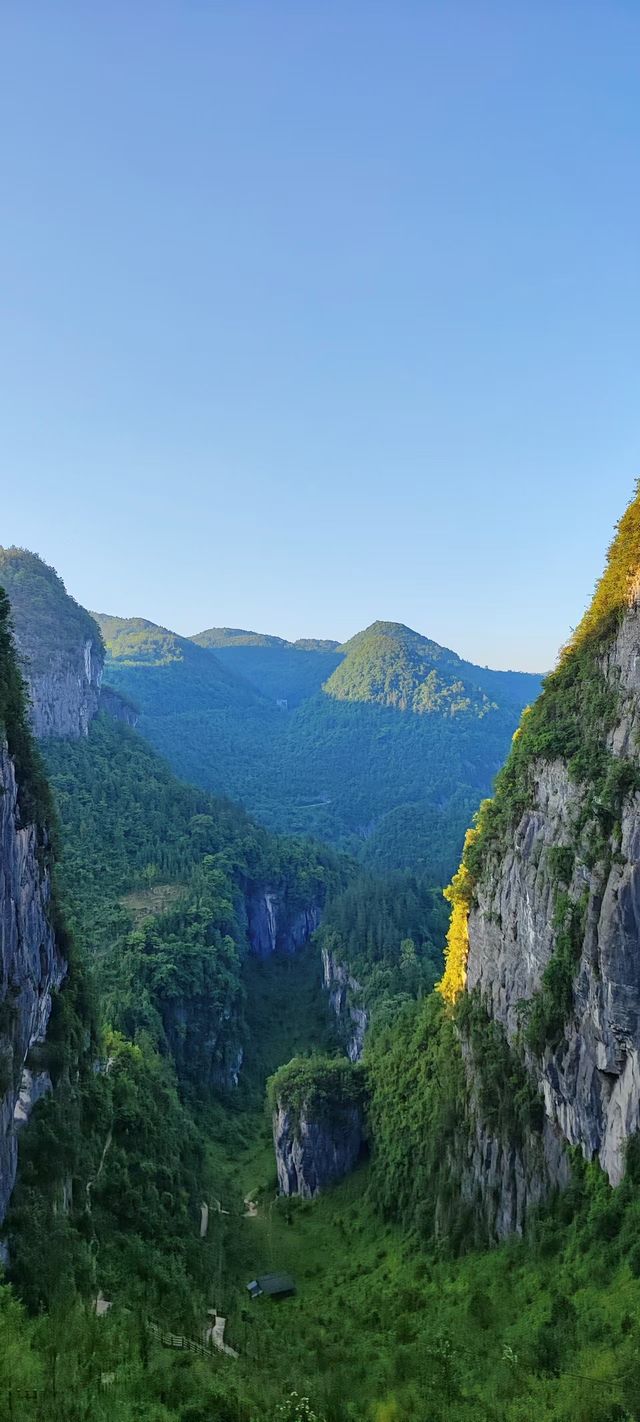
{"x": 48, "y": 622}
{"x": 345, "y": 763}
{"x": 33, "y": 790}
{"x": 320, "y": 1086}
{"x": 388, "y": 932}
{"x": 571, "y": 722}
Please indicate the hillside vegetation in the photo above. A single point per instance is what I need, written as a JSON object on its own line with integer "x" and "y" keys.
{"x": 383, "y": 747}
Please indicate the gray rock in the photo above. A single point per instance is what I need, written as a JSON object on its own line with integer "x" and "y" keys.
{"x": 31, "y": 965}
{"x": 590, "y": 1083}
{"x": 352, "y": 1017}
{"x": 66, "y": 696}
{"x": 273, "y": 926}
{"x": 311, "y": 1154}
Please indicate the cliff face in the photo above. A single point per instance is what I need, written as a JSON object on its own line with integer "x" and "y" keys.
{"x": 312, "y": 1154}
{"x": 344, "y": 991}
{"x": 554, "y": 917}
{"x": 274, "y": 926}
{"x": 204, "y": 1040}
{"x": 66, "y": 695}
{"x": 59, "y": 646}
{"x": 31, "y": 967}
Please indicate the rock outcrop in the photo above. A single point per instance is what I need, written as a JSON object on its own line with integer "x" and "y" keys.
{"x": 276, "y": 926}
{"x": 66, "y": 695}
{"x": 31, "y": 967}
{"x": 345, "y": 998}
{"x": 59, "y": 646}
{"x": 312, "y": 1154}
{"x": 204, "y": 1040}
{"x": 553, "y": 911}
{"x": 118, "y": 707}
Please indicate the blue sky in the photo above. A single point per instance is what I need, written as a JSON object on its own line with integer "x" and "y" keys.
{"x": 324, "y": 311}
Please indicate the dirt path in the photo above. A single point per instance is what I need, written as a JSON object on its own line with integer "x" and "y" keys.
{"x": 214, "y": 1334}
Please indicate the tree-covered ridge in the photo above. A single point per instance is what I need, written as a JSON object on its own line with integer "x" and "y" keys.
{"x": 392, "y": 665}
{"x": 236, "y": 637}
{"x": 216, "y": 637}
{"x": 48, "y": 622}
{"x": 161, "y": 670}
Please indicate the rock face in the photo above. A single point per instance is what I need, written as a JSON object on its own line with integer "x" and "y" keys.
{"x": 343, "y": 988}
{"x": 590, "y": 1080}
{"x": 204, "y": 1040}
{"x": 118, "y": 707}
{"x": 31, "y": 968}
{"x": 274, "y": 926}
{"x": 312, "y": 1154}
{"x": 65, "y": 697}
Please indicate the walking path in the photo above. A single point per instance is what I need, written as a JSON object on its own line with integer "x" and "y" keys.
{"x": 215, "y": 1334}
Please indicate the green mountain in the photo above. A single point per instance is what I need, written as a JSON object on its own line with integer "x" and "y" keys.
{"x": 147, "y": 1182}
{"x": 168, "y": 669}
{"x": 328, "y": 747}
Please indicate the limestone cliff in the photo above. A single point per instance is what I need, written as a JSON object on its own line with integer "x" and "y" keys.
{"x": 59, "y": 645}
{"x": 310, "y": 1155}
{"x": 31, "y": 965}
{"x": 275, "y": 924}
{"x": 345, "y": 1000}
{"x": 546, "y": 924}
{"x": 318, "y": 1122}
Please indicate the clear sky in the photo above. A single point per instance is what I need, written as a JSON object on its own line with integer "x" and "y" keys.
{"x": 322, "y": 311}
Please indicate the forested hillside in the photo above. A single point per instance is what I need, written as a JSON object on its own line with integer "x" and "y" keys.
{"x": 383, "y": 747}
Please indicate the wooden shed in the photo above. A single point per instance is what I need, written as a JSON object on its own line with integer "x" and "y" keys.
{"x": 276, "y": 1286}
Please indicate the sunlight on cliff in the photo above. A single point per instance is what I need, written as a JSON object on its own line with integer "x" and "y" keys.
{"x": 459, "y": 894}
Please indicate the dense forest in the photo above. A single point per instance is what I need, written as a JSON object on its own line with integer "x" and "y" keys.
{"x": 155, "y": 1118}
{"x": 383, "y": 747}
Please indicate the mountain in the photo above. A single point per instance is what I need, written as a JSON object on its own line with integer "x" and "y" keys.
{"x": 327, "y": 746}
{"x": 543, "y": 964}
{"x": 146, "y": 1179}
{"x": 390, "y": 665}
{"x": 168, "y": 893}
{"x": 60, "y": 645}
{"x": 284, "y": 672}
{"x": 168, "y": 669}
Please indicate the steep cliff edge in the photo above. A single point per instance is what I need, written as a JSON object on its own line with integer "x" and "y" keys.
{"x": 318, "y": 1123}
{"x": 60, "y": 646}
{"x": 545, "y": 931}
{"x": 31, "y": 963}
{"x": 345, "y": 999}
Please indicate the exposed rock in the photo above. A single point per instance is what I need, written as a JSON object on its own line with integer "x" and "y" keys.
{"x": 118, "y": 707}
{"x": 274, "y": 926}
{"x": 311, "y": 1154}
{"x": 204, "y": 1040}
{"x": 31, "y": 967}
{"x": 33, "y": 1086}
{"x": 65, "y": 696}
{"x": 343, "y": 988}
{"x": 590, "y": 1082}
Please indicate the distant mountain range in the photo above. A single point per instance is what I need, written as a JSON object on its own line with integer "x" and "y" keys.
{"x": 383, "y": 745}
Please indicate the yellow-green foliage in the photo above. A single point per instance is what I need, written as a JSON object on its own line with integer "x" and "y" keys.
{"x": 459, "y": 894}
{"x": 616, "y": 585}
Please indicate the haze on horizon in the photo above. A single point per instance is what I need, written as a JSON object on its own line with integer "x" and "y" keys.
{"x": 320, "y": 315}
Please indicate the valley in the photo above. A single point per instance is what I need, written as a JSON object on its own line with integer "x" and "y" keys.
{"x": 247, "y": 1052}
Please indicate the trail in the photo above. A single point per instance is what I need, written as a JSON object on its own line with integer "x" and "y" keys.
{"x": 95, "y": 1178}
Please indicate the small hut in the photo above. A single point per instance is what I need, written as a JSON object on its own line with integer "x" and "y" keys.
{"x": 276, "y": 1286}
